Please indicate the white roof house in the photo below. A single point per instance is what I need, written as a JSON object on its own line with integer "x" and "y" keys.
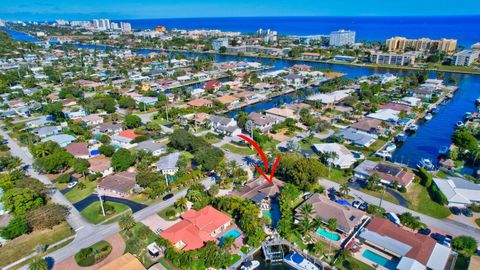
{"x": 345, "y": 158}
{"x": 62, "y": 139}
{"x": 332, "y": 97}
{"x": 459, "y": 192}
{"x": 385, "y": 115}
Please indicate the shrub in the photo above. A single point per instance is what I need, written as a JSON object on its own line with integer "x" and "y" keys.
{"x": 375, "y": 210}
{"x": 108, "y": 207}
{"x": 465, "y": 245}
{"x": 85, "y": 257}
{"x": 16, "y": 227}
{"x": 437, "y": 195}
{"x": 402, "y": 189}
{"x": 170, "y": 213}
{"x": 64, "y": 178}
{"x": 475, "y": 207}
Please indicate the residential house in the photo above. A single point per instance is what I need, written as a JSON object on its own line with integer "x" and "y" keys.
{"x": 110, "y": 128}
{"x": 387, "y": 115}
{"x": 153, "y": 147}
{"x": 200, "y": 102}
{"x": 92, "y": 120}
{"x": 61, "y": 139}
{"x": 262, "y": 122}
{"x": 167, "y": 165}
{"x": 332, "y": 97}
{"x": 196, "y": 228}
{"x": 369, "y": 125}
{"x": 458, "y": 191}
{"x": 228, "y": 100}
{"x": 324, "y": 209}
{"x": 100, "y": 164}
{"x": 388, "y": 173}
{"x": 258, "y": 190}
{"x": 224, "y": 126}
{"x": 357, "y": 137}
{"x": 294, "y": 80}
{"x": 281, "y": 113}
{"x": 75, "y": 114}
{"x": 78, "y": 150}
{"x": 212, "y": 85}
{"x": 124, "y": 139}
{"x": 344, "y": 159}
{"x": 118, "y": 185}
{"x": 413, "y": 250}
{"x": 397, "y": 107}
{"x": 42, "y": 121}
{"x": 43, "y": 132}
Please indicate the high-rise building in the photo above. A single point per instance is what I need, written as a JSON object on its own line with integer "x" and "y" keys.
{"x": 126, "y": 27}
{"x": 465, "y": 57}
{"x": 403, "y": 59}
{"x": 401, "y": 44}
{"x": 342, "y": 37}
{"x": 219, "y": 42}
{"x": 114, "y": 26}
{"x": 101, "y": 24}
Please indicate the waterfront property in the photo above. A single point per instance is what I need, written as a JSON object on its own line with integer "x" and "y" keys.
{"x": 389, "y": 173}
{"x": 403, "y": 250}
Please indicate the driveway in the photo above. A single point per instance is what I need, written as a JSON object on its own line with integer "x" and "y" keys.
{"x": 94, "y": 198}
{"x": 156, "y": 223}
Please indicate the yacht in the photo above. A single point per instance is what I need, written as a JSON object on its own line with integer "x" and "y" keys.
{"x": 412, "y": 127}
{"x": 297, "y": 261}
{"x": 443, "y": 150}
{"x": 428, "y": 117}
{"x": 390, "y": 147}
{"x": 250, "y": 265}
{"x": 426, "y": 164}
{"x": 384, "y": 154}
{"x": 401, "y": 137}
{"x": 459, "y": 124}
{"x": 467, "y": 115}
{"x": 477, "y": 101}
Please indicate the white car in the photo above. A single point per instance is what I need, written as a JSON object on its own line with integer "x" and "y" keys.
{"x": 356, "y": 204}
{"x": 72, "y": 184}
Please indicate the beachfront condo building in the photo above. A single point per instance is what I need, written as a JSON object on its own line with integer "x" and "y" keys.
{"x": 465, "y": 57}
{"x": 382, "y": 58}
{"x": 401, "y": 44}
{"x": 342, "y": 37}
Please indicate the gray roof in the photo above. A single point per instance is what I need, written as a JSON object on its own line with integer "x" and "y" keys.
{"x": 60, "y": 139}
{"x": 355, "y": 136}
{"x": 220, "y": 119}
{"x": 47, "y": 130}
{"x": 150, "y": 145}
{"x": 385, "y": 242}
{"x": 168, "y": 162}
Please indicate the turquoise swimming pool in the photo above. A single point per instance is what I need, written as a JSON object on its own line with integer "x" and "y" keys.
{"x": 329, "y": 235}
{"x": 380, "y": 260}
{"x": 233, "y": 233}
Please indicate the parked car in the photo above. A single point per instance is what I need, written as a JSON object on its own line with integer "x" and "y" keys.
{"x": 424, "y": 231}
{"x": 455, "y": 210}
{"x": 393, "y": 218}
{"x": 437, "y": 237}
{"x": 167, "y": 197}
{"x": 467, "y": 212}
{"x": 447, "y": 241}
{"x": 72, "y": 184}
{"x": 363, "y": 206}
{"x": 356, "y": 204}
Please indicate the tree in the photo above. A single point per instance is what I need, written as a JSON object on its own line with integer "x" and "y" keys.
{"x": 332, "y": 224}
{"x": 47, "y": 216}
{"x": 16, "y": 226}
{"x": 38, "y": 264}
{"x": 413, "y": 222}
{"x": 373, "y": 181}
{"x": 181, "y": 203}
{"x": 132, "y": 121}
{"x": 344, "y": 189}
{"x": 80, "y": 166}
{"x": 20, "y": 200}
{"x": 465, "y": 245}
{"x": 127, "y": 222}
{"x": 107, "y": 150}
{"x": 126, "y": 102}
{"x": 122, "y": 160}
{"x": 464, "y": 139}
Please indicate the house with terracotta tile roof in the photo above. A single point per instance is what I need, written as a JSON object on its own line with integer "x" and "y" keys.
{"x": 124, "y": 138}
{"x": 389, "y": 173}
{"x": 228, "y": 100}
{"x": 212, "y": 85}
{"x": 78, "y": 150}
{"x": 259, "y": 189}
{"x": 100, "y": 164}
{"x": 411, "y": 251}
{"x": 200, "y": 102}
{"x": 369, "y": 125}
{"x": 196, "y": 228}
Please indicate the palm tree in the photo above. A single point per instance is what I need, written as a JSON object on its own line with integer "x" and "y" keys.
{"x": 228, "y": 242}
{"x": 13, "y": 163}
{"x": 344, "y": 189}
{"x": 181, "y": 204}
{"x": 127, "y": 222}
{"x": 306, "y": 212}
{"x": 42, "y": 150}
{"x": 38, "y": 264}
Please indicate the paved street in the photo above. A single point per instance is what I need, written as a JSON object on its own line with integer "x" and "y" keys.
{"x": 452, "y": 227}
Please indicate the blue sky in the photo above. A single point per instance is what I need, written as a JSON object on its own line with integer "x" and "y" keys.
{"x": 128, "y": 9}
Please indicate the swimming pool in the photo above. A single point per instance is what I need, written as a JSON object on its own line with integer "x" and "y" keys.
{"x": 233, "y": 233}
{"x": 379, "y": 259}
{"x": 329, "y": 235}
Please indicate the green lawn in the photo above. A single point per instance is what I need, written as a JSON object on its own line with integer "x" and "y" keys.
{"x": 25, "y": 245}
{"x": 351, "y": 263}
{"x": 238, "y": 150}
{"x": 145, "y": 240}
{"x": 420, "y": 201}
{"x": 387, "y": 196}
{"x": 212, "y": 138}
{"x": 93, "y": 212}
{"x": 77, "y": 194}
{"x": 339, "y": 176}
{"x": 308, "y": 146}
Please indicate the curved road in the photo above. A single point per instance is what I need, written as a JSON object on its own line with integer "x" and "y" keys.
{"x": 94, "y": 198}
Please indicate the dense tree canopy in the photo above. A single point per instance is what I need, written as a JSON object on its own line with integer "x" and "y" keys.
{"x": 122, "y": 160}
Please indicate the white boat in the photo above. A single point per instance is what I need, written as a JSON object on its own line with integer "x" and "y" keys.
{"x": 297, "y": 261}
{"x": 428, "y": 116}
{"x": 250, "y": 265}
{"x": 412, "y": 127}
{"x": 477, "y": 101}
{"x": 459, "y": 124}
{"x": 390, "y": 147}
{"x": 384, "y": 154}
{"x": 443, "y": 150}
{"x": 426, "y": 164}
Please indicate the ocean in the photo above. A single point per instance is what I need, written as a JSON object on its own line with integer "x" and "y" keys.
{"x": 463, "y": 28}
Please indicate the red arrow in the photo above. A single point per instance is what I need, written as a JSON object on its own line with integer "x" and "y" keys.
{"x": 264, "y": 158}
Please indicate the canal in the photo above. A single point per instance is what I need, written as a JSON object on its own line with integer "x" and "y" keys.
{"x": 424, "y": 144}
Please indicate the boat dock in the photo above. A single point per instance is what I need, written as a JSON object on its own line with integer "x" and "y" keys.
{"x": 273, "y": 251}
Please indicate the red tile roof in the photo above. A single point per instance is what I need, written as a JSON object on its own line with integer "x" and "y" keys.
{"x": 422, "y": 245}
{"x": 78, "y": 149}
{"x": 196, "y": 228}
{"x": 211, "y": 84}
{"x": 199, "y": 102}
{"x": 129, "y": 133}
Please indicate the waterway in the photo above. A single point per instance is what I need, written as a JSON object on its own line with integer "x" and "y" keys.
{"x": 424, "y": 144}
